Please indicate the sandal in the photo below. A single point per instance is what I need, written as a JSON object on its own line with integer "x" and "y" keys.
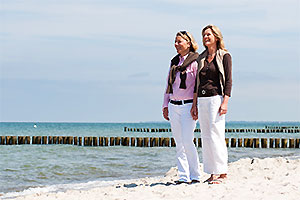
{"x": 210, "y": 179}
{"x": 215, "y": 181}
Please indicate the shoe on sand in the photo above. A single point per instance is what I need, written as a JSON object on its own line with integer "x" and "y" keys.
{"x": 215, "y": 181}
{"x": 180, "y": 182}
{"x": 195, "y": 181}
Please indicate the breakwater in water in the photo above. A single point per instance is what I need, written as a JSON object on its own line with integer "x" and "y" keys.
{"x": 293, "y": 129}
{"x": 36, "y": 155}
{"x": 144, "y": 141}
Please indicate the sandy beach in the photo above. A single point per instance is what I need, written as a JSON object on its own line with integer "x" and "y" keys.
{"x": 269, "y": 178}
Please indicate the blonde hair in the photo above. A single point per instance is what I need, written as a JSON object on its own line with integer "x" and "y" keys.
{"x": 188, "y": 37}
{"x": 217, "y": 33}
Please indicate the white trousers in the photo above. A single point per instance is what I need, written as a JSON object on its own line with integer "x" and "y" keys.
{"x": 183, "y": 126}
{"x": 214, "y": 150}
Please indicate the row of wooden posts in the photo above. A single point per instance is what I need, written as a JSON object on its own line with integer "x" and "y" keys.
{"x": 145, "y": 141}
{"x": 282, "y": 127}
{"x": 159, "y": 130}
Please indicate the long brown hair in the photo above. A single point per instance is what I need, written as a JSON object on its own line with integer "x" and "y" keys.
{"x": 217, "y": 33}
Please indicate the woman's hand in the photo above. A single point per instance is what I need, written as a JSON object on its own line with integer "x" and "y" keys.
{"x": 223, "y": 107}
{"x": 194, "y": 112}
{"x": 166, "y": 113}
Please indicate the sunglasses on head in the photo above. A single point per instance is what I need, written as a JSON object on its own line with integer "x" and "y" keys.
{"x": 185, "y": 33}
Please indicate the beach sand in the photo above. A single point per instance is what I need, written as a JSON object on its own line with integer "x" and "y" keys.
{"x": 270, "y": 178}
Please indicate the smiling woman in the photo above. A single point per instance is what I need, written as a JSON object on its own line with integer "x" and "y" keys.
{"x": 178, "y": 100}
{"x": 212, "y": 92}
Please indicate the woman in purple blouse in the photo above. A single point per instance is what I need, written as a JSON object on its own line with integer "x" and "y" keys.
{"x": 178, "y": 99}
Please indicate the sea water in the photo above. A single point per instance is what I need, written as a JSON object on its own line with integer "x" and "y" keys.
{"x": 31, "y": 168}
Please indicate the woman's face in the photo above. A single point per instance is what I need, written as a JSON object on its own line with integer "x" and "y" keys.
{"x": 182, "y": 46}
{"x": 208, "y": 38}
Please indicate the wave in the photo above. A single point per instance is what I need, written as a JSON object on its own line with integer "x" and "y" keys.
{"x": 59, "y": 188}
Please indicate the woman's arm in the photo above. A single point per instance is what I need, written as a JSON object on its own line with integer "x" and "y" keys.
{"x": 227, "y": 63}
{"x": 194, "y": 109}
{"x": 166, "y": 102}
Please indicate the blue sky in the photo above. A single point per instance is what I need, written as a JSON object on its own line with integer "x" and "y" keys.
{"x": 107, "y": 61}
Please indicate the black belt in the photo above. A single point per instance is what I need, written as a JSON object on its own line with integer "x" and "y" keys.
{"x": 181, "y": 102}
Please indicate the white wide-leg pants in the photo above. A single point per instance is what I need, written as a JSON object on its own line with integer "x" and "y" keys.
{"x": 214, "y": 150}
{"x": 183, "y": 126}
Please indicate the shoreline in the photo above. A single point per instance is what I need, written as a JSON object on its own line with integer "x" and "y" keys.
{"x": 276, "y": 178}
